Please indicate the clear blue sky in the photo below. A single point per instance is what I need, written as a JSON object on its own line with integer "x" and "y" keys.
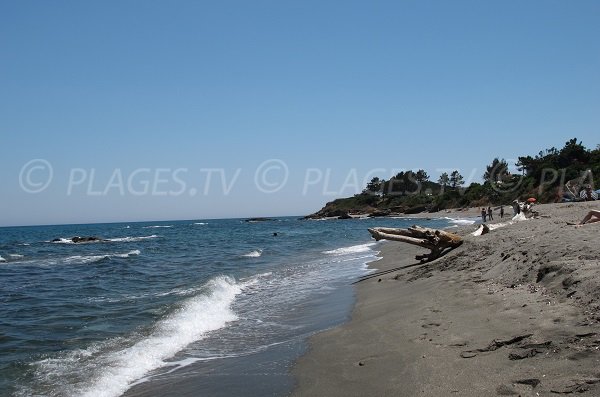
{"x": 192, "y": 85}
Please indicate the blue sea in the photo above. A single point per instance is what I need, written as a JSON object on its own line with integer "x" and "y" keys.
{"x": 199, "y": 307}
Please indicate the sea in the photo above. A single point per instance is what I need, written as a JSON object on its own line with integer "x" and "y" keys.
{"x": 175, "y": 308}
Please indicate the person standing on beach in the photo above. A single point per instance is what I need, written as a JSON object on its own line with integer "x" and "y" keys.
{"x": 489, "y": 214}
{"x": 483, "y": 214}
{"x": 501, "y": 212}
{"x": 516, "y": 207}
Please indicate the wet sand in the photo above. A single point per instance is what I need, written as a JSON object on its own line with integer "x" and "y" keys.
{"x": 512, "y": 312}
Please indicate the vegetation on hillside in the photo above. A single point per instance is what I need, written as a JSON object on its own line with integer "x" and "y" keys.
{"x": 543, "y": 177}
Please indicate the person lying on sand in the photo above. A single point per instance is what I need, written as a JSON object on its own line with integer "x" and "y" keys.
{"x": 592, "y": 217}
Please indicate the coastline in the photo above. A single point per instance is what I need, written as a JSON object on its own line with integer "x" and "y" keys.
{"x": 512, "y": 312}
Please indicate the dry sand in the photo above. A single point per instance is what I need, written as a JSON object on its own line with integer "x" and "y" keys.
{"x": 512, "y": 312}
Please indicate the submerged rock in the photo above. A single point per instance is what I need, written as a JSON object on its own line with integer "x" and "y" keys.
{"x": 78, "y": 239}
{"x": 258, "y": 220}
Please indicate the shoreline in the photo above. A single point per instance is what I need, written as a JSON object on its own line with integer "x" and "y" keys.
{"x": 470, "y": 212}
{"x": 512, "y": 312}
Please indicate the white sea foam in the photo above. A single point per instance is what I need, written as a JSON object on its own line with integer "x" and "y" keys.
{"x": 253, "y": 254}
{"x": 197, "y": 317}
{"x": 16, "y": 256}
{"x": 127, "y": 239}
{"x": 83, "y": 259}
{"x": 354, "y": 249}
{"x": 130, "y": 253}
{"x": 200, "y": 223}
{"x": 131, "y": 239}
{"x": 156, "y": 226}
{"x": 460, "y": 221}
{"x": 63, "y": 241}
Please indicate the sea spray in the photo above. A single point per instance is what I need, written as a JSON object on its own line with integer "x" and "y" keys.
{"x": 82, "y": 259}
{"x": 113, "y": 370}
{"x": 354, "y": 249}
{"x": 460, "y": 221}
{"x": 128, "y": 239}
{"x": 253, "y": 254}
{"x": 131, "y": 239}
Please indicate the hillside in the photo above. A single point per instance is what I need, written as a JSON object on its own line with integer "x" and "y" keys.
{"x": 550, "y": 176}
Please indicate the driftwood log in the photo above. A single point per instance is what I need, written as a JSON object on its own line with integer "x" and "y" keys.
{"x": 438, "y": 241}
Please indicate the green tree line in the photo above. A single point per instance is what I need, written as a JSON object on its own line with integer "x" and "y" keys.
{"x": 542, "y": 176}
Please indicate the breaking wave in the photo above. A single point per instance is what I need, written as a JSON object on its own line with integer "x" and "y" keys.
{"x": 351, "y": 250}
{"x": 253, "y": 254}
{"x": 128, "y": 239}
{"x": 83, "y": 259}
{"x": 460, "y": 221}
{"x": 109, "y": 368}
{"x": 131, "y": 239}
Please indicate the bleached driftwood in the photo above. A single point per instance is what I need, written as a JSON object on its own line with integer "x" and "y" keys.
{"x": 438, "y": 241}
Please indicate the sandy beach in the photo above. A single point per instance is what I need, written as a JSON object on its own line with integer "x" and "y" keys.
{"x": 512, "y": 312}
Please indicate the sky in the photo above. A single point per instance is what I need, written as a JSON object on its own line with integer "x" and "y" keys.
{"x": 129, "y": 111}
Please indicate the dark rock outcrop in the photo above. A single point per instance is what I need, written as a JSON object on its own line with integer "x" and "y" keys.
{"x": 330, "y": 213}
{"x": 77, "y": 239}
{"x": 416, "y": 209}
{"x": 379, "y": 213}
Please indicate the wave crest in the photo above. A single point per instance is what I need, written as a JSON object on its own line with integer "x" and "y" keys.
{"x": 460, "y": 221}
{"x": 353, "y": 249}
{"x": 131, "y": 239}
{"x": 110, "y": 368}
{"x": 81, "y": 259}
{"x": 127, "y": 239}
{"x": 253, "y": 254}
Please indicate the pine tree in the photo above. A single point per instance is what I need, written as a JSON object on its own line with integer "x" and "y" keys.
{"x": 456, "y": 179}
{"x": 422, "y": 176}
{"x": 497, "y": 171}
{"x": 444, "y": 180}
